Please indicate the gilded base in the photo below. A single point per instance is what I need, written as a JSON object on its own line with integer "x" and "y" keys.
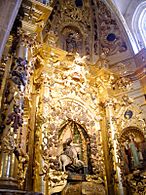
{"x": 17, "y": 192}
{"x": 8, "y": 183}
{"x": 88, "y": 188}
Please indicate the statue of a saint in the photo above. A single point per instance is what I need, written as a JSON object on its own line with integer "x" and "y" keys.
{"x": 71, "y": 44}
{"x": 134, "y": 153}
{"x": 69, "y": 150}
{"x": 69, "y": 156}
{"x": 126, "y": 159}
{"x": 128, "y": 153}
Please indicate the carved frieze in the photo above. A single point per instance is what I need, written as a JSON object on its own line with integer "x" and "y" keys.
{"x": 111, "y": 38}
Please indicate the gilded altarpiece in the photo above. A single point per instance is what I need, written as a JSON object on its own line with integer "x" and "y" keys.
{"x": 67, "y": 108}
{"x": 64, "y": 127}
{"x": 73, "y": 102}
{"x": 72, "y": 106}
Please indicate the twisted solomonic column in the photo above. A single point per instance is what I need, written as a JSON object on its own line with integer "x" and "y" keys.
{"x": 14, "y": 158}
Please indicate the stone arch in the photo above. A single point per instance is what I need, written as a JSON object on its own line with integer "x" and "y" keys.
{"x": 139, "y": 16}
{"x": 129, "y": 14}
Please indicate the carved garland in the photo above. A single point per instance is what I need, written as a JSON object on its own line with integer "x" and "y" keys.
{"x": 51, "y": 125}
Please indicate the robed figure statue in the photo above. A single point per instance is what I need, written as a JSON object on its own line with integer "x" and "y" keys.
{"x": 70, "y": 157}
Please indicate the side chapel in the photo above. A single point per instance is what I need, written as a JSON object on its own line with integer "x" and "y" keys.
{"x": 72, "y": 100}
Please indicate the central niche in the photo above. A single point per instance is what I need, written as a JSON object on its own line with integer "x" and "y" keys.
{"x": 72, "y": 40}
{"x": 80, "y": 140}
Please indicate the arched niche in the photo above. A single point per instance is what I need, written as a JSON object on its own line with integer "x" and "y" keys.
{"x": 135, "y": 131}
{"x": 139, "y": 25}
{"x": 132, "y": 149}
{"x": 81, "y": 140}
{"x": 72, "y": 39}
{"x": 72, "y": 114}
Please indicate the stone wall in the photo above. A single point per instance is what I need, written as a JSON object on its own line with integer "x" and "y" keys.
{"x": 8, "y": 13}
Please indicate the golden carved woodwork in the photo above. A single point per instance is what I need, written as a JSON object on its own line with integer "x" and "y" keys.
{"x": 67, "y": 82}
{"x": 66, "y": 91}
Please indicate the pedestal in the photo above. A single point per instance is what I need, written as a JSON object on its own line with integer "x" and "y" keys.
{"x": 17, "y": 192}
{"x": 83, "y": 188}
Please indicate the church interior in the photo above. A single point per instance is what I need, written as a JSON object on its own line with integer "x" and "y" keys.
{"x": 72, "y": 97}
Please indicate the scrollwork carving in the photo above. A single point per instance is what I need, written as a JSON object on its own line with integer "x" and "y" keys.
{"x": 19, "y": 72}
{"x": 101, "y": 27}
{"x": 23, "y": 160}
{"x": 122, "y": 83}
{"x": 94, "y": 178}
{"x": 15, "y": 119}
{"x": 137, "y": 183}
{"x": 8, "y": 143}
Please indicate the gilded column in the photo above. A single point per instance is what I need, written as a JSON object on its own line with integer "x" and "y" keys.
{"x": 5, "y": 65}
{"x": 113, "y": 148}
{"x": 14, "y": 160}
{"x": 107, "y": 158}
{"x": 30, "y": 125}
{"x": 41, "y": 165}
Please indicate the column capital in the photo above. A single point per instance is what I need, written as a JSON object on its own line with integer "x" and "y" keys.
{"x": 26, "y": 45}
{"x": 8, "y": 143}
{"x": 108, "y": 102}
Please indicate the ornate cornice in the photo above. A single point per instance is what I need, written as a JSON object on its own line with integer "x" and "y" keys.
{"x": 139, "y": 74}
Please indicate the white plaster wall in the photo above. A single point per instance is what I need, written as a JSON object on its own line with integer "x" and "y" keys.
{"x": 122, "y": 5}
{"x": 130, "y": 11}
{"x": 127, "y": 8}
{"x": 8, "y": 13}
